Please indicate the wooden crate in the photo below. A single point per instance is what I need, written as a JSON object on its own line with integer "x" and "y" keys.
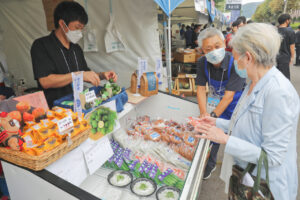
{"x": 185, "y": 58}
{"x": 174, "y": 92}
{"x": 194, "y": 87}
{"x": 183, "y": 79}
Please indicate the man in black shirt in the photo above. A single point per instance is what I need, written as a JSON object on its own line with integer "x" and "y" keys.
{"x": 297, "y": 43}
{"x": 182, "y": 31}
{"x": 217, "y": 69}
{"x": 195, "y": 36}
{"x": 56, "y": 56}
{"x": 287, "y": 48}
{"x": 188, "y": 37}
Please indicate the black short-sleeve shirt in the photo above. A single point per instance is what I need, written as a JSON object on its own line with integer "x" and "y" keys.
{"x": 194, "y": 38}
{"x": 49, "y": 56}
{"x": 235, "y": 82}
{"x": 288, "y": 38}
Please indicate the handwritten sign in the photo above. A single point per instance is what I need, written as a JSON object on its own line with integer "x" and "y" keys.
{"x": 90, "y": 96}
{"x": 97, "y": 154}
{"x": 65, "y": 124}
{"x": 142, "y": 68}
{"x": 77, "y": 89}
{"x": 158, "y": 69}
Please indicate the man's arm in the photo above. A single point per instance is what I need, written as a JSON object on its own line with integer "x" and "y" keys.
{"x": 201, "y": 98}
{"x": 224, "y": 103}
{"x": 61, "y": 80}
{"x": 55, "y": 80}
{"x": 292, "y": 48}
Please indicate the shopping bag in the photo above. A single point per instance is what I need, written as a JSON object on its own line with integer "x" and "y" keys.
{"x": 260, "y": 190}
{"x": 113, "y": 39}
{"x": 90, "y": 40}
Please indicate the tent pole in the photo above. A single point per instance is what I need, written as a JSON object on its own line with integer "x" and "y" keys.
{"x": 169, "y": 62}
{"x": 167, "y": 51}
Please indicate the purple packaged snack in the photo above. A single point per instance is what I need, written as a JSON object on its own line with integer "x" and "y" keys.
{"x": 164, "y": 174}
{"x": 153, "y": 171}
{"x": 111, "y": 159}
{"x": 133, "y": 164}
{"x": 120, "y": 163}
{"x": 148, "y": 168}
{"x": 143, "y": 166}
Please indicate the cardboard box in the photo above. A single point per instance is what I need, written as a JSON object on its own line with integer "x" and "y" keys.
{"x": 49, "y": 7}
{"x": 185, "y": 57}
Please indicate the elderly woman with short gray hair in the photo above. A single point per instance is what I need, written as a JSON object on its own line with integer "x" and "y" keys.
{"x": 266, "y": 116}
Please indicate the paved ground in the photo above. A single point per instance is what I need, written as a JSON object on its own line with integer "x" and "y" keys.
{"x": 213, "y": 188}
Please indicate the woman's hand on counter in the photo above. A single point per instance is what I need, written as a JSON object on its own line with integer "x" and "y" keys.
{"x": 212, "y": 133}
{"x": 91, "y": 77}
{"x": 207, "y": 119}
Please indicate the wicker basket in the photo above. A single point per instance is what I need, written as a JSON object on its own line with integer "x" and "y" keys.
{"x": 38, "y": 163}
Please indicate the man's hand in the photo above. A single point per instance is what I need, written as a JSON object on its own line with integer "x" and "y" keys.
{"x": 110, "y": 75}
{"x": 211, "y": 133}
{"x": 291, "y": 62}
{"x": 204, "y": 115}
{"x": 91, "y": 77}
{"x": 2, "y": 97}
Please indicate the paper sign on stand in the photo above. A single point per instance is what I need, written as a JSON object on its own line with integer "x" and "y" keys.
{"x": 90, "y": 96}
{"x": 158, "y": 70}
{"x": 142, "y": 68}
{"x": 77, "y": 89}
{"x": 97, "y": 154}
{"x": 71, "y": 167}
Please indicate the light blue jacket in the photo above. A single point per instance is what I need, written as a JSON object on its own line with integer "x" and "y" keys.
{"x": 268, "y": 119}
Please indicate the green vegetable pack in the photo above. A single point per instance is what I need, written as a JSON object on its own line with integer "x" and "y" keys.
{"x": 103, "y": 120}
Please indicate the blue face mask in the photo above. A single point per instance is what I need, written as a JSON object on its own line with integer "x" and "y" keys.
{"x": 241, "y": 72}
{"x": 216, "y": 56}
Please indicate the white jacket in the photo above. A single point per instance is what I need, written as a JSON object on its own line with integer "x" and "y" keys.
{"x": 268, "y": 120}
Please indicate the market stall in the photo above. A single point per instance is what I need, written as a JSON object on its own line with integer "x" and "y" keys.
{"x": 74, "y": 177}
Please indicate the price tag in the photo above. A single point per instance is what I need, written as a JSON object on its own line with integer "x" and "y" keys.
{"x": 90, "y": 96}
{"x": 65, "y": 124}
{"x": 29, "y": 142}
{"x": 191, "y": 75}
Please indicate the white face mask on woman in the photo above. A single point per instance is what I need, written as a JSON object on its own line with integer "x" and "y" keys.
{"x": 73, "y": 36}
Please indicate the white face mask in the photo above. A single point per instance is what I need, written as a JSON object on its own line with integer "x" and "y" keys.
{"x": 216, "y": 56}
{"x": 73, "y": 36}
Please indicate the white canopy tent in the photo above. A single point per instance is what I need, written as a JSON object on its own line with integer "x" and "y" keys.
{"x": 186, "y": 12}
{"x": 23, "y": 21}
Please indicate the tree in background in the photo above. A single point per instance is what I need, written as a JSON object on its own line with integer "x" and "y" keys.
{"x": 270, "y": 10}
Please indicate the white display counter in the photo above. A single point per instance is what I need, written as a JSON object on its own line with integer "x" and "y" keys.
{"x": 25, "y": 184}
